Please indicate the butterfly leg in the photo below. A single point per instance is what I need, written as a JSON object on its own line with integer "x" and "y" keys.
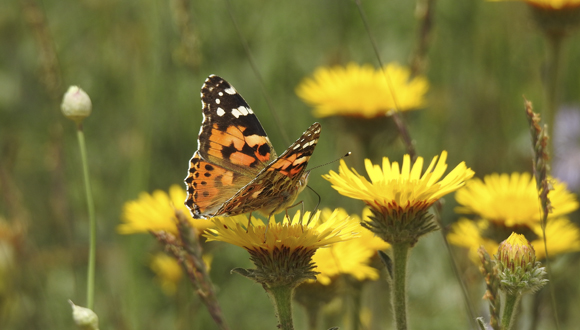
{"x": 315, "y": 208}
{"x": 249, "y": 222}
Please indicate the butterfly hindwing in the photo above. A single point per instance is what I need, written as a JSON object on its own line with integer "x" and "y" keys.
{"x": 278, "y": 185}
{"x": 208, "y": 186}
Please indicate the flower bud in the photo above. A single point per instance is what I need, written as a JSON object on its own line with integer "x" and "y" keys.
{"x": 518, "y": 270}
{"x": 516, "y": 252}
{"x": 84, "y": 318}
{"x": 76, "y": 104}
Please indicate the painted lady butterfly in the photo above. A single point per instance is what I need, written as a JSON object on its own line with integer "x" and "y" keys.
{"x": 235, "y": 169}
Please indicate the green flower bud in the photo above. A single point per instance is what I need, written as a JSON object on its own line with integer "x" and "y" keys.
{"x": 76, "y": 104}
{"x": 84, "y": 318}
{"x": 518, "y": 270}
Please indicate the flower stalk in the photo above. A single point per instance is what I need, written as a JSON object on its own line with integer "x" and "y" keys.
{"x": 92, "y": 219}
{"x": 512, "y": 301}
{"x": 188, "y": 252}
{"x": 282, "y": 298}
{"x": 76, "y": 105}
{"x": 399, "y": 280}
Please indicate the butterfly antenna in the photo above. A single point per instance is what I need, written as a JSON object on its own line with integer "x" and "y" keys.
{"x": 315, "y": 167}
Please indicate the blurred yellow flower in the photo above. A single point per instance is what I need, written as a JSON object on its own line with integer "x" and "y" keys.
{"x": 512, "y": 199}
{"x": 351, "y": 257}
{"x": 551, "y": 4}
{"x": 405, "y": 190}
{"x": 168, "y": 272}
{"x": 362, "y": 91}
{"x": 561, "y": 234}
{"x": 156, "y": 212}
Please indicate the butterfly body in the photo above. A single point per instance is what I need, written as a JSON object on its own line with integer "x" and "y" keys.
{"x": 236, "y": 169}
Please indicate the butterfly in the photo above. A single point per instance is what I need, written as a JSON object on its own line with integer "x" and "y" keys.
{"x": 235, "y": 169}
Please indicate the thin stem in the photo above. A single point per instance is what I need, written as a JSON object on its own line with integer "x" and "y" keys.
{"x": 427, "y": 8}
{"x": 356, "y": 289}
{"x": 282, "y": 298}
{"x": 399, "y": 292}
{"x": 396, "y": 114}
{"x": 92, "y": 220}
{"x": 512, "y": 302}
{"x": 554, "y": 64}
{"x": 312, "y": 312}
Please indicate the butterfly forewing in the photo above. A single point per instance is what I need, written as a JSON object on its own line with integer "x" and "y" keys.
{"x": 231, "y": 135}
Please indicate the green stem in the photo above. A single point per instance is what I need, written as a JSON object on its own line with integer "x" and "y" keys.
{"x": 312, "y": 313}
{"x": 92, "y": 220}
{"x": 356, "y": 287}
{"x": 552, "y": 88}
{"x": 282, "y": 297}
{"x": 510, "y": 310}
{"x": 399, "y": 293}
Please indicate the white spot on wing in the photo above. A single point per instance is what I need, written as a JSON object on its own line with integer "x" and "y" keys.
{"x": 220, "y": 112}
{"x": 230, "y": 90}
{"x": 217, "y": 101}
{"x": 236, "y": 113}
{"x": 250, "y": 111}
{"x": 296, "y": 147}
{"x": 243, "y": 110}
{"x": 221, "y": 94}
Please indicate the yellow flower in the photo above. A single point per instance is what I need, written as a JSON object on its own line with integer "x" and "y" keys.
{"x": 168, "y": 271}
{"x": 362, "y": 91}
{"x": 512, "y": 199}
{"x": 156, "y": 212}
{"x": 282, "y": 252}
{"x": 402, "y": 190}
{"x": 298, "y": 232}
{"x": 551, "y": 4}
{"x": 562, "y": 236}
{"x": 351, "y": 257}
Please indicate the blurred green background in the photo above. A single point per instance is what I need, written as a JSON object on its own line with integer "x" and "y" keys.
{"x": 143, "y": 63}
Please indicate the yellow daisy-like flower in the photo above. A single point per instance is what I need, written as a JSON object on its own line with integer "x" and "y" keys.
{"x": 562, "y": 236}
{"x": 551, "y": 4}
{"x": 295, "y": 233}
{"x": 282, "y": 252}
{"x": 512, "y": 199}
{"x": 403, "y": 189}
{"x": 400, "y": 197}
{"x": 156, "y": 212}
{"x": 362, "y": 91}
{"x": 351, "y": 257}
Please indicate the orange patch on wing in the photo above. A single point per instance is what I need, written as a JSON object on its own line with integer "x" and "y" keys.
{"x": 240, "y": 158}
{"x": 227, "y": 138}
{"x": 228, "y": 178}
{"x": 256, "y": 140}
{"x": 283, "y": 163}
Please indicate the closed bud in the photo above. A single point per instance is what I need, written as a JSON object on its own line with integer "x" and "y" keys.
{"x": 518, "y": 270}
{"x": 516, "y": 252}
{"x": 84, "y": 318}
{"x": 76, "y": 104}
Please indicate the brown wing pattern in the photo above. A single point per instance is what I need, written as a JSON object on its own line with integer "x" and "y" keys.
{"x": 278, "y": 185}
